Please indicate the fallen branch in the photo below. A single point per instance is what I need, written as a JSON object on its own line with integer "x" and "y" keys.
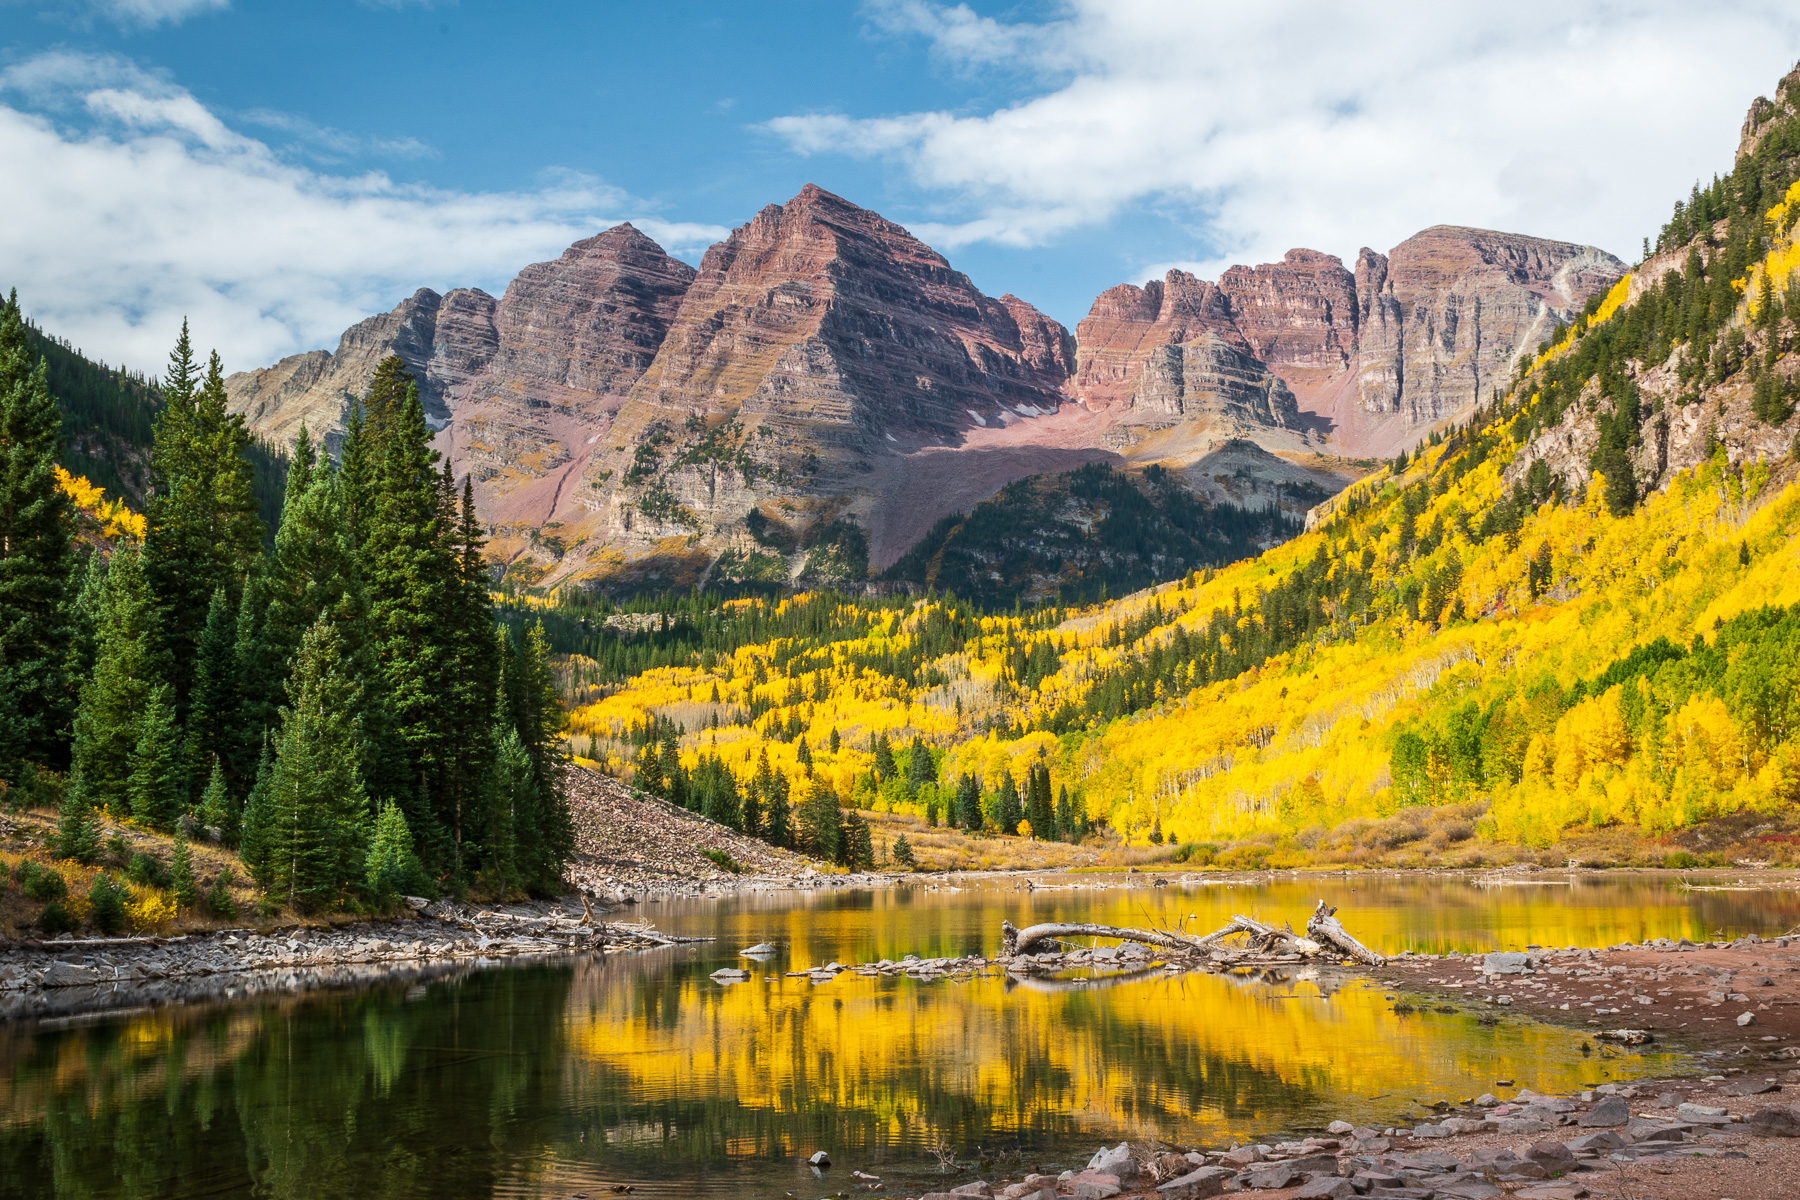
{"x": 1325, "y": 927}
{"x": 1265, "y": 944}
{"x": 1020, "y": 941}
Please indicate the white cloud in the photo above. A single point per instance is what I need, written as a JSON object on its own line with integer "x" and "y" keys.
{"x": 147, "y": 14}
{"x": 1264, "y": 126}
{"x": 130, "y": 204}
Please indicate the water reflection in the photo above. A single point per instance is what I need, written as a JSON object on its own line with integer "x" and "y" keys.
{"x": 550, "y": 1080}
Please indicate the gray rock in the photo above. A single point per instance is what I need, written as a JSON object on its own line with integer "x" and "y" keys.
{"x": 980, "y": 1187}
{"x": 1116, "y": 1161}
{"x": 1598, "y": 1143}
{"x": 819, "y": 1158}
{"x": 1313, "y": 1164}
{"x": 1506, "y": 962}
{"x": 759, "y": 948}
{"x": 1432, "y": 1131}
{"x": 1779, "y": 1120}
{"x": 1610, "y": 1112}
{"x": 1340, "y": 1128}
{"x": 1703, "y": 1114}
{"x": 1269, "y": 1176}
{"x": 1751, "y": 1087}
{"x": 1325, "y": 1188}
{"x": 65, "y": 974}
{"x": 1748, "y": 1018}
{"x": 1196, "y": 1185}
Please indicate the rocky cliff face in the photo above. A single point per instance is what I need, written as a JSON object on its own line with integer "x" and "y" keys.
{"x": 817, "y": 341}
{"x": 520, "y": 386}
{"x": 570, "y": 337}
{"x": 1306, "y": 349}
{"x": 826, "y": 386}
{"x": 443, "y": 339}
{"x": 1442, "y": 317}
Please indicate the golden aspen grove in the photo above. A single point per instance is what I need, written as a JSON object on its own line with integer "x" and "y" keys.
{"x": 1469, "y": 657}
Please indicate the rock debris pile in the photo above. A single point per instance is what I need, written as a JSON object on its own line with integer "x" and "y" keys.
{"x": 632, "y": 844}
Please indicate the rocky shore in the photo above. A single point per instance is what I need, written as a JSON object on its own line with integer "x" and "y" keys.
{"x": 66, "y": 976}
{"x": 1721, "y": 1137}
{"x": 1742, "y": 996}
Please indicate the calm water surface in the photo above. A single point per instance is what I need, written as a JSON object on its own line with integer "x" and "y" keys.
{"x": 550, "y": 1080}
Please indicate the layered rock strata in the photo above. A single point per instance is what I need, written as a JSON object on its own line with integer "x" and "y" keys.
{"x": 816, "y": 341}
{"x": 1362, "y": 361}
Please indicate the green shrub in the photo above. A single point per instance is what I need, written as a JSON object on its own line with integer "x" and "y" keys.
{"x": 40, "y": 882}
{"x": 725, "y": 862}
{"x": 118, "y": 849}
{"x": 147, "y": 870}
{"x": 181, "y": 874}
{"x": 108, "y": 900}
{"x": 1680, "y": 860}
{"x": 56, "y": 919}
{"x": 218, "y": 896}
{"x": 1200, "y": 854}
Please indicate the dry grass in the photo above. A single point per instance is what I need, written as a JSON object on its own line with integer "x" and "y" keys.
{"x": 938, "y": 848}
{"x": 26, "y": 834}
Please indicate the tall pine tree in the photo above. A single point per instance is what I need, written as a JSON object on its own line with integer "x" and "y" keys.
{"x": 315, "y": 829}
{"x": 37, "y": 560}
{"x": 202, "y": 525}
{"x": 114, "y": 702}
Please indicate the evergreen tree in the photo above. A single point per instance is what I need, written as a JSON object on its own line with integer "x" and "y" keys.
{"x": 903, "y": 853}
{"x": 751, "y": 816}
{"x": 515, "y": 796}
{"x": 203, "y": 528}
{"x": 78, "y": 826}
{"x": 1007, "y": 812}
{"x": 258, "y": 835}
{"x": 181, "y": 874}
{"x": 113, "y": 704}
{"x": 37, "y": 559}
{"x": 920, "y": 769}
{"x": 835, "y": 743}
{"x": 856, "y": 848}
{"x": 779, "y": 814}
{"x": 968, "y": 803}
{"x": 1066, "y": 828}
{"x": 214, "y": 713}
{"x": 821, "y": 822}
{"x": 647, "y": 774}
{"x": 89, "y": 583}
{"x": 319, "y": 831}
{"x": 157, "y": 786}
{"x": 884, "y": 757}
{"x": 393, "y": 867}
{"x": 216, "y": 808}
{"x": 1039, "y": 808}
{"x": 547, "y": 839}
{"x": 412, "y": 575}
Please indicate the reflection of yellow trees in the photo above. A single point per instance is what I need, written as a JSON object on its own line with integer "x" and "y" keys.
{"x": 1197, "y": 1057}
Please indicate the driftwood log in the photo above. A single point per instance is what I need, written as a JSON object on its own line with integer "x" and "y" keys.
{"x": 1325, "y": 927}
{"x": 1326, "y": 938}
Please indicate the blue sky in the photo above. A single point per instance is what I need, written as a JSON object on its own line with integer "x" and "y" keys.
{"x": 278, "y": 170}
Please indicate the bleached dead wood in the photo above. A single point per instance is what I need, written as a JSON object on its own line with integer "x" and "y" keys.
{"x": 1020, "y": 941}
{"x": 1326, "y": 928}
{"x": 1263, "y": 943}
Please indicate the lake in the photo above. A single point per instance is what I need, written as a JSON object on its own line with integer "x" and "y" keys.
{"x": 570, "y": 1077}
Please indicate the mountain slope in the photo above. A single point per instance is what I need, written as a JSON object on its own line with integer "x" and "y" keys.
{"x": 827, "y": 380}
{"x": 1569, "y": 627}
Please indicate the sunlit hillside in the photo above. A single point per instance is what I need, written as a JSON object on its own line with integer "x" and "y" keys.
{"x": 1565, "y": 627}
